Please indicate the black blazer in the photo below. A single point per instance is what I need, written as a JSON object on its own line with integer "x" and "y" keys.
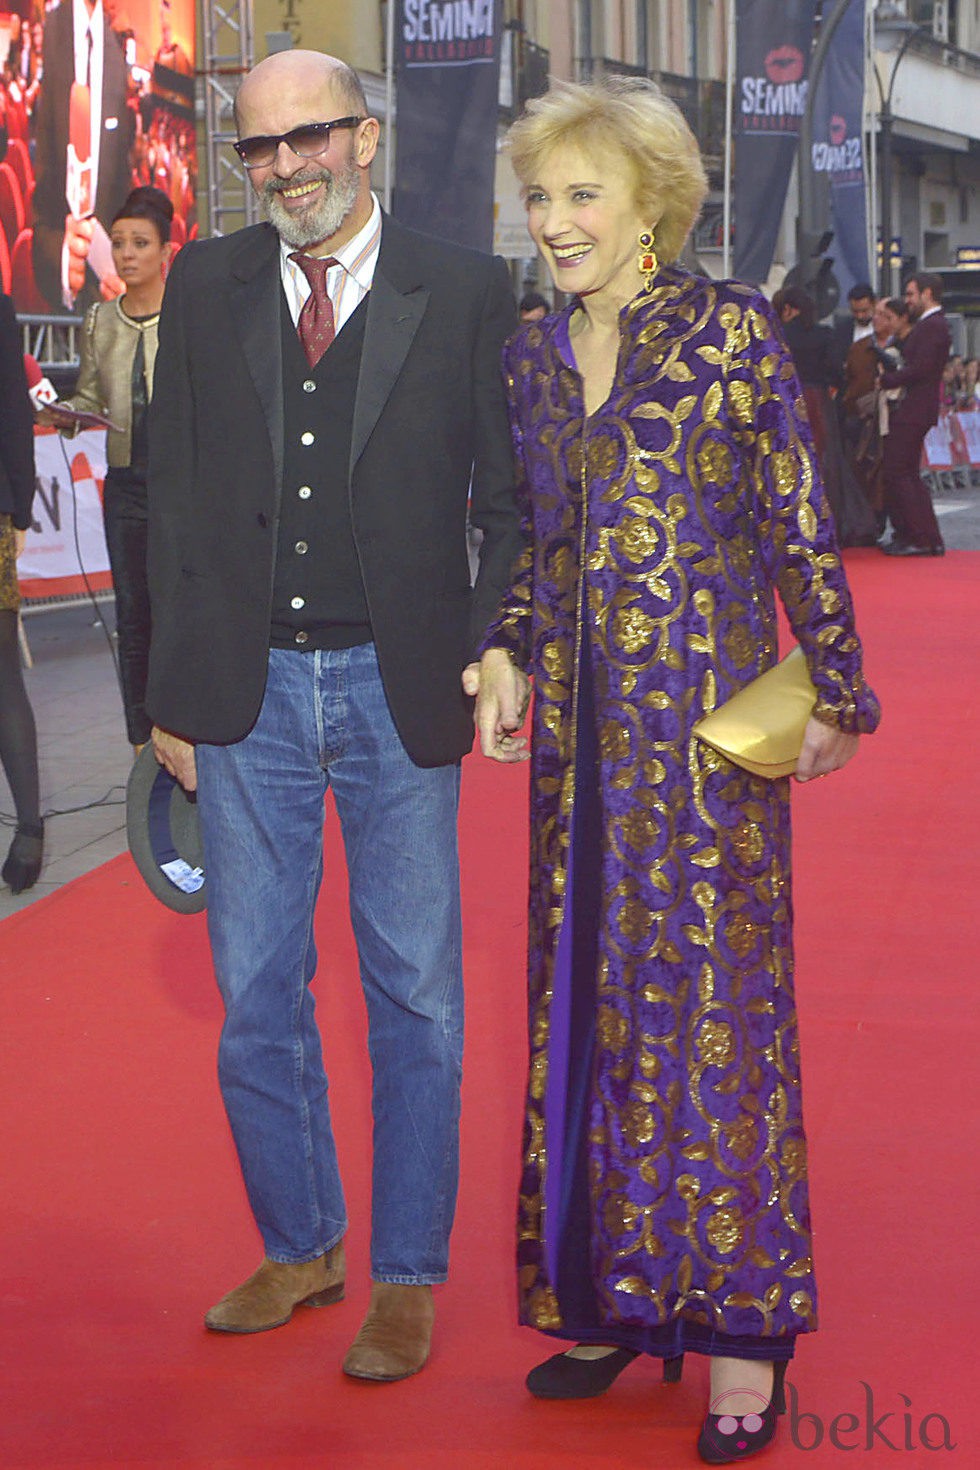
{"x": 50, "y": 203}
{"x": 16, "y": 424}
{"x": 430, "y": 406}
{"x": 925, "y": 352}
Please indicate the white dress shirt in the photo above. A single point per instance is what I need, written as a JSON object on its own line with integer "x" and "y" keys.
{"x": 348, "y": 282}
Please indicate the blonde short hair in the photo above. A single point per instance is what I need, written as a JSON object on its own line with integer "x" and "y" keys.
{"x": 629, "y": 117}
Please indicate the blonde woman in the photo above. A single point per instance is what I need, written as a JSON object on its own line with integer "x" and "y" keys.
{"x": 671, "y": 492}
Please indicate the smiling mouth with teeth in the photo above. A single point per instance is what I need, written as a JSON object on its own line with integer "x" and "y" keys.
{"x": 299, "y": 190}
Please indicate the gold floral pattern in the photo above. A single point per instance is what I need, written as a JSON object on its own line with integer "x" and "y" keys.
{"x": 716, "y": 1043}
{"x": 612, "y": 1029}
{"x": 725, "y": 1230}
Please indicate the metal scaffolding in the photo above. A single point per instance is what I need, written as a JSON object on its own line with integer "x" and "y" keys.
{"x": 227, "y": 52}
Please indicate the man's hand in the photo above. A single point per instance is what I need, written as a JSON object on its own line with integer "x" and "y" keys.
{"x": 824, "y": 750}
{"x": 503, "y": 693}
{"x": 176, "y": 756}
{"x": 78, "y": 238}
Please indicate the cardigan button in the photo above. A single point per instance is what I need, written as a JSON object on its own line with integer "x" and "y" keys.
{"x": 262, "y": 519}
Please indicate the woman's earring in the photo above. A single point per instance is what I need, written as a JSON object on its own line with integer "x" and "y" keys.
{"x": 647, "y": 262}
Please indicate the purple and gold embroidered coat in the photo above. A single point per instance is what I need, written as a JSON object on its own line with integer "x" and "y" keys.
{"x": 664, "y": 1200}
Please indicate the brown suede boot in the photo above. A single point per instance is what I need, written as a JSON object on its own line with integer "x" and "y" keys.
{"x": 267, "y": 1299}
{"x": 396, "y": 1333}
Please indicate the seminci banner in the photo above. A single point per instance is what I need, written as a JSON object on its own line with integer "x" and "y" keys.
{"x": 774, "y": 40}
{"x": 447, "y": 69}
{"x": 838, "y": 113}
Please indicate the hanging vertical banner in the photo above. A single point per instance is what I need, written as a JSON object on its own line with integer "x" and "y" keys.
{"x": 838, "y": 113}
{"x": 447, "y": 71}
{"x": 775, "y": 38}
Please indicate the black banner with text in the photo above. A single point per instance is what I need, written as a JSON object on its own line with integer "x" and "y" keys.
{"x": 775, "y": 39}
{"x": 447, "y": 70}
{"x": 837, "y": 152}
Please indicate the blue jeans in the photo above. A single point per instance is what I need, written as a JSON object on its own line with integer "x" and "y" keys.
{"x": 325, "y": 723}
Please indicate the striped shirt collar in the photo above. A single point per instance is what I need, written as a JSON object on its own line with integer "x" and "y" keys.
{"x": 349, "y": 281}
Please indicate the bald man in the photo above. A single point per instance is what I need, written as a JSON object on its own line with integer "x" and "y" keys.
{"x": 327, "y": 387}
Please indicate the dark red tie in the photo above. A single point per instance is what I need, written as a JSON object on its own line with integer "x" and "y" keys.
{"x": 316, "y": 324}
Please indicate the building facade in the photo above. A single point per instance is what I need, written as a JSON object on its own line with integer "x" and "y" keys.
{"x": 923, "y": 75}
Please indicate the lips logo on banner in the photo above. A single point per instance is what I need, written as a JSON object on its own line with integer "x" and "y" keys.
{"x": 784, "y": 64}
{"x": 838, "y": 129}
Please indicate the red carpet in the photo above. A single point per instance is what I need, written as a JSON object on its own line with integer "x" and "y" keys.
{"x": 123, "y": 1216}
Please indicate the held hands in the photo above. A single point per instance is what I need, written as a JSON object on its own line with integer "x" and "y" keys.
{"x": 824, "y": 750}
{"x": 176, "y": 756}
{"x": 503, "y": 693}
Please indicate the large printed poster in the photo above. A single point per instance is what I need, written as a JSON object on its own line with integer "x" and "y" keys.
{"x": 97, "y": 97}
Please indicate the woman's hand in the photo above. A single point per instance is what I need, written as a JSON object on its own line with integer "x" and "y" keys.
{"x": 825, "y": 749}
{"x": 503, "y": 693}
{"x": 20, "y": 541}
{"x": 52, "y": 417}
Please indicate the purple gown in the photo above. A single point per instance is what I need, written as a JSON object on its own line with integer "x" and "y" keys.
{"x": 663, "y": 1201}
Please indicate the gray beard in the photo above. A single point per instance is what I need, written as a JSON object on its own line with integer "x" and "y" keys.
{"x": 321, "y": 220}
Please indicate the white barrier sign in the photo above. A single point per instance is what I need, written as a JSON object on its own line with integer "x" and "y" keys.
{"x": 66, "y": 543}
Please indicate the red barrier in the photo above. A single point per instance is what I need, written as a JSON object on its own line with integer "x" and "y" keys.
{"x": 953, "y": 443}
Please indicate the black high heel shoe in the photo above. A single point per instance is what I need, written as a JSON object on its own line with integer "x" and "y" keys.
{"x": 726, "y": 1438}
{"x": 562, "y": 1377}
{"x": 23, "y": 865}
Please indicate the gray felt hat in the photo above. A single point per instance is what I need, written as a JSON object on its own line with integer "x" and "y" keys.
{"x": 164, "y": 835}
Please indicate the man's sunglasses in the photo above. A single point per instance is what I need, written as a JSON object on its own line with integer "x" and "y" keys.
{"x": 306, "y": 142}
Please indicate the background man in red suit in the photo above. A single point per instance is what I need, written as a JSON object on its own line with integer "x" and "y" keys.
{"x": 926, "y": 349}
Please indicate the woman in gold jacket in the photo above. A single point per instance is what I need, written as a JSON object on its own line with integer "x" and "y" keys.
{"x": 119, "y": 345}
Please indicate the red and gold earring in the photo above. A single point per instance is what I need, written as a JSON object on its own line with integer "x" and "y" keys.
{"x": 646, "y": 261}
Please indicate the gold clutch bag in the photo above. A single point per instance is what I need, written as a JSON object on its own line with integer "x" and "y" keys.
{"x": 761, "y": 727}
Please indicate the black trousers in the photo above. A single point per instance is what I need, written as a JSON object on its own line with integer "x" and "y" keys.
{"x": 124, "y": 517}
